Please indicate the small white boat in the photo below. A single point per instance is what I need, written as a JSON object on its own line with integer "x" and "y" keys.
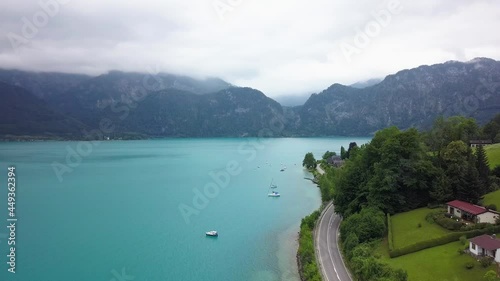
{"x": 212, "y": 233}
{"x": 274, "y": 194}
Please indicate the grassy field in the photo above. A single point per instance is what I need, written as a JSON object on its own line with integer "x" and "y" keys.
{"x": 493, "y": 153}
{"x": 405, "y": 230}
{"x": 492, "y": 198}
{"x": 441, "y": 263}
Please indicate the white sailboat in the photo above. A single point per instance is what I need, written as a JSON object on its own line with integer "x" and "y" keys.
{"x": 274, "y": 194}
{"x": 273, "y": 185}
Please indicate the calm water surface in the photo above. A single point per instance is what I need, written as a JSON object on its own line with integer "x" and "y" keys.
{"x": 140, "y": 209}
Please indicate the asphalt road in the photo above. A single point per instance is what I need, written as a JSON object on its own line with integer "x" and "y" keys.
{"x": 331, "y": 264}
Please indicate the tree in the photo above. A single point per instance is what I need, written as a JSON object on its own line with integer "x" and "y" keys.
{"x": 461, "y": 172}
{"x": 343, "y": 153}
{"x": 454, "y": 128}
{"x": 368, "y": 224}
{"x": 352, "y": 145}
{"x": 328, "y": 154}
{"x": 442, "y": 190}
{"x": 492, "y": 129}
{"x": 496, "y": 171}
{"x": 350, "y": 243}
{"x": 309, "y": 161}
{"x": 483, "y": 169}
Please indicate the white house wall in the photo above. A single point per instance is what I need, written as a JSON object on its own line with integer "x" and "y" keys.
{"x": 487, "y": 217}
{"x": 456, "y": 212}
{"x": 477, "y": 250}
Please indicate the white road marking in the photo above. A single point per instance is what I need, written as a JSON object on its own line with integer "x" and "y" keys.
{"x": 319, "y": 247}
{"x": 340, "y": 255}
{"x": 328, "y": 245}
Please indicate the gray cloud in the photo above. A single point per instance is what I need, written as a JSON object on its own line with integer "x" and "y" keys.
{"x": 280, "y": 47}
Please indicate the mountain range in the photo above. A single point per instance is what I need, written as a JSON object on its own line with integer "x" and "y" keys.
{"x": 132, "y": 105}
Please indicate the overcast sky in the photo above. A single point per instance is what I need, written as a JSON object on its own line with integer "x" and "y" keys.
{"x": 281, "y": 47}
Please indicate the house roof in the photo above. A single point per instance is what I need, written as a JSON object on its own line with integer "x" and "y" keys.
{"x": 467, "y": 207}
{"x": 487, "y": 242}
{"x": 480, "y": 141}
{"x": 335, "y": 157}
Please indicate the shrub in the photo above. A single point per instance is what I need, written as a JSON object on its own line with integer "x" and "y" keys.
{"x": 463, "y": 239}
{"x": 460, "y": 251}
{"x": 448, "y": 223}
{"x": 419, "y": 225}
{"x": 469, "y": 265}
{"x": 350, "y": 243}
{"x": 485, "y": 261}
{"x": 476, "y": 226}
{"x": 306, "y": 257}
{"x": 492, "y": 207}
{"x": 368, "y": 224}
{"x": 430, "y": 218}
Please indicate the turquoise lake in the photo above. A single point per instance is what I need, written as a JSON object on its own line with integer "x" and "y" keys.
{"x": 139, "y": 210}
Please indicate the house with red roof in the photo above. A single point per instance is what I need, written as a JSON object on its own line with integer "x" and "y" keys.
{"x": 471, "y": 212}
{"x": 485, "y": 245}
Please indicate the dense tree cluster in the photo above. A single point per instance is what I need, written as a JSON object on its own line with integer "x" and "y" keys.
{"x": 400, "y": 171}
{"x": 492, "y": 129}
{"x": 403, "y": 170}
{"x": 393, "y": 173}
{"x": 368, "y": 268}
{"x": 357, "y": 231}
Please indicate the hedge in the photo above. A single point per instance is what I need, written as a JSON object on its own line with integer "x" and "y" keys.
{"x": 448, "y": 238}
{"x": 389, "y": 229}
{"x": 306, "y": 257}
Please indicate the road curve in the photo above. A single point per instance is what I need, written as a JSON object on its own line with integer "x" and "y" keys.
{"x": 326, "y": 238}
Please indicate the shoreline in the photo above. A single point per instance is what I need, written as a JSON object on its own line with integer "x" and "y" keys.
{"x": 320, "y": 209}
{"x": 28, "y": 138}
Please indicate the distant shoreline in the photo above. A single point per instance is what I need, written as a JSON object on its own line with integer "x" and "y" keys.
{"x": 11, "y": 138}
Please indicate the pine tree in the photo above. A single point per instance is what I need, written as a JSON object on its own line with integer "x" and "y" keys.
{"x": 483, "y": 169}
{"x": 343, "y": 153}
{"x": 462, "y": 173}
{"x": 474, "y": 191}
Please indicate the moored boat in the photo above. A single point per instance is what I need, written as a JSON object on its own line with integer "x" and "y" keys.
{"x": 274, "y": 194}
{"x": 212, "y": 233}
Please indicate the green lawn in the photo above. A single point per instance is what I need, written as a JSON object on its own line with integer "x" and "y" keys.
{"x": 442, "y": 263}
{"x": 492, "y": 198}
{"x": 493, "y": 153}
{"x": 405, "y": 230}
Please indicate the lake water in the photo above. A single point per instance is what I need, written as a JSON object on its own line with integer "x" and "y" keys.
{"x": 139, "y": 210}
